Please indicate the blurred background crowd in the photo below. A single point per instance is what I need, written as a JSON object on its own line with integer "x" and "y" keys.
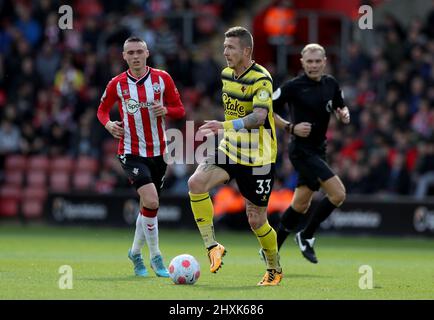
{"x": 51, "y": 81}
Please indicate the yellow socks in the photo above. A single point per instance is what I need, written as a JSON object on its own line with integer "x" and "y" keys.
{"x": 203, "y": 212}
{"x": 268, "y": 239}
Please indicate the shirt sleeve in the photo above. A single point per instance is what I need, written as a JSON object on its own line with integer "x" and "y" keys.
{"x": 338, "y": 98}
{"x": 108, "y": 98}
{"x": 262, "y": 93}
{"x": 171, "y": 98}
{"x": 281, "y": 96}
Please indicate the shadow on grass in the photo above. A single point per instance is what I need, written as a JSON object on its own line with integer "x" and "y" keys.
{"x": 253, "y": 285}
{"x": 210, "y": 287}
{"x": 120, "y": 278}
{"x": 307, "y": 276}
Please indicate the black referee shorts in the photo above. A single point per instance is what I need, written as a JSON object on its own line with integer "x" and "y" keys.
{"x": 310, "y": 163}
{"x": 141, "y": 171}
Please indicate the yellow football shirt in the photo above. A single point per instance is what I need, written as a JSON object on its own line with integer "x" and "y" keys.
{"x": 252, "y": 89}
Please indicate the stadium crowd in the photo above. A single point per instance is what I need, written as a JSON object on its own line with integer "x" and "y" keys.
{"x": 51, "y": 81}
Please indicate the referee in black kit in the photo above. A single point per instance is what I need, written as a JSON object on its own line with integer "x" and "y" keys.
{"x": 312, "y": 97}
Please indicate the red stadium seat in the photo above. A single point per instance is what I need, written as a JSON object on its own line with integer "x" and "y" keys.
{"x": 8, "y": 206}
{"x": 38, "y": 163}
{"x": 10, "y": 191}
{"x": 31, "y": 193}
{"x": 15, "y": 163}
{"x": 59, "y": 181}
{"x": 36, "y": 178}
{"x": 33, "y": 202}
{"x": 62, "y": 164}
{"x": 86, "y": 164}
{"x": 14, "y": 178}
{"x": 83, "y": 180}
{"x": 32, "y": 208}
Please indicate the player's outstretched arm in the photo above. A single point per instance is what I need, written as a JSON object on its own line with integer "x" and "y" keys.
{"x": 301, "y": 129}
{"x": 255, "y": 119}
{"x": 251, "y": 121}
{"x": 280, "y": 122}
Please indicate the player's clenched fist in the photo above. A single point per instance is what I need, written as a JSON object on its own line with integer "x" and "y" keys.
{"x": 343, "y": 114}
{"x": 158, "y": 110}
{"x": 302, "y": 129}
{"x": 115, "y": 128}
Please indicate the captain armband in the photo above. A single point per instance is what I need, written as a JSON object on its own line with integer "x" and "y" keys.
{"x": 236, "y": 124}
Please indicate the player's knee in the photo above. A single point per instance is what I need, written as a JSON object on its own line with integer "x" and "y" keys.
{"x": 301, "y": 207}
{"x": 255, "y": 222}
{"x": 196, "y": 184}
{"x": 150, "y": 203}
{"x": 338, "y": 198}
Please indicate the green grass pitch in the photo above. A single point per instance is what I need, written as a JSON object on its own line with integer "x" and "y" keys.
{"x": 30, "y": 258}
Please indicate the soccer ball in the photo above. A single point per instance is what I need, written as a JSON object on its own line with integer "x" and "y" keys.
{"x": 184, "y": 269}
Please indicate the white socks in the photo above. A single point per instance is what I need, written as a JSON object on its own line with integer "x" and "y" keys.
{"x": 139, "y": 236}
{"x": 150, "y": 228}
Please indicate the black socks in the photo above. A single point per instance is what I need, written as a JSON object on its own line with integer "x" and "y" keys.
{"x": 288, "y": 222}
{"x": 322, "y": 211}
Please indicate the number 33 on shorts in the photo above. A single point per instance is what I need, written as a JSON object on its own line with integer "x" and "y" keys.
{"x": 264, "y": 186}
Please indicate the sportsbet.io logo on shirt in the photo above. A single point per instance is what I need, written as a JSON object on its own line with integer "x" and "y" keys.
{"x": 133, "y": 105}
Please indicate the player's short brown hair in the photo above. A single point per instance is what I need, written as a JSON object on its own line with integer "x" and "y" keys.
{"x": 134, "y": 39}
{"x": 246, "y": 39}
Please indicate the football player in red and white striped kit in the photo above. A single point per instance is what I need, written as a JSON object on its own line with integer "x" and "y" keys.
{"x": 145, "y": 96}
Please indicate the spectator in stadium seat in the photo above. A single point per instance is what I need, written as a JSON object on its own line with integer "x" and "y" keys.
{"x": 377, "y": 173}
{"x": 312, "y": 96}
{"x": 425, "y": 169}
{"x": 145, "y": 96}
{"x": 47, "y": 62}
{"x": 425, "y": 162}
{"x": 27, "y": 25}
{"x": 58, "y": 140}
{"x": 398, "y": 181}
{"x": 358, "y": 61}
{"x": 206, "y": 65}
{"x": 10, "y": 136}
{"x": 31, "y": 141}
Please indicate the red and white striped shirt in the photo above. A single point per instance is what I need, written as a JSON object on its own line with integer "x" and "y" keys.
{"x": 144, "y": 134}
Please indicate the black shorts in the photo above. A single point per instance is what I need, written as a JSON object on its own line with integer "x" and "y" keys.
{"x": 141, "y": 171}
{"x": 254, "y": 183}
{"x": 311, "y": 165}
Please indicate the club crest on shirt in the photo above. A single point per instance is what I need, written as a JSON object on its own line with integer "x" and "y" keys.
{"x": 125, "y": 92}
{"x": 156, "y": 87}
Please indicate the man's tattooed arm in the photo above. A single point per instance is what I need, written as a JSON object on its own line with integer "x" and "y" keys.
{"x": 255, "y": 119}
